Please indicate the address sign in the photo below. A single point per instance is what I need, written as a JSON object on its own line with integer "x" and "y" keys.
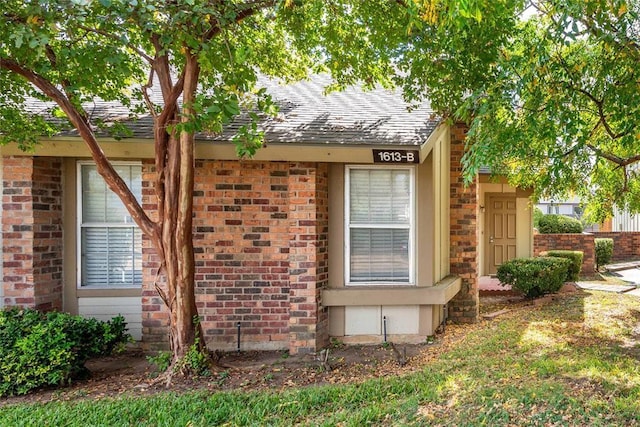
{"x": 396, "y": 156}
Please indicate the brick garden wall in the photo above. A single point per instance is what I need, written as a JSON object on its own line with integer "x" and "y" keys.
{"x": 626, "y": 244}
{"x": 573, "y": 242}
{"x": 32, "y": 232}
{"x": 260, "y": 235}
{"x": 464, "y": 307}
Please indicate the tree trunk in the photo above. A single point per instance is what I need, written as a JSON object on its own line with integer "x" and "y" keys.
{"x": 177, "y": 226}
{"x": 171, "y": 236}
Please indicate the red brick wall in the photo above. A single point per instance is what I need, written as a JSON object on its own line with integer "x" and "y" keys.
{"x": 260, "y": 236}
{"x": 32, "y": 232}
{"x": 626, "y": 244}
{"x": 309, "y": 226}
{"x": 572, "y": 242}
{"x": 464, "y": 307}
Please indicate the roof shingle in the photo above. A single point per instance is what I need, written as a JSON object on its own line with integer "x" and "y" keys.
{"x": 308, "y": 115}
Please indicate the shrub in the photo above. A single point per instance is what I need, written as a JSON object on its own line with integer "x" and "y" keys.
{"x": 576, "y": 262}
{"x": 534, "y": 276}
{"x": 39, "y": 349}
{"x": 552, "y": 224}
{"x": 196, "y": 360}
{"x": 604, "y": 251}
{"x": 537, "y": 214}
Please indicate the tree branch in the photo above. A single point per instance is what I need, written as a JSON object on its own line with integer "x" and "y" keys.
{"x": 251, "y": 8}
{"x": 53, "y": 60}
{"x": 170, "y": 92}
{"x": 145, "y": 87}
{"x": 103, "y": 33}
{"x": 601, "y": 114}
{"x": 170, "y": 95}
{"x": 622, "y": 162}
{"x": 611, "y": 157}
{"x": 113, "y": 180}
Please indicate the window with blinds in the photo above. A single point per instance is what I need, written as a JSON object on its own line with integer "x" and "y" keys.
{"x": 379, "y": 231}
{"x": 110, "y": 243}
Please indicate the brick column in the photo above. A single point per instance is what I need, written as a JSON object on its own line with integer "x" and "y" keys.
{"x": 32, "y": 232}
{"x": 464, "y": 307}
{"x": 155, "y": 314}
{"x": 308, "y": 261}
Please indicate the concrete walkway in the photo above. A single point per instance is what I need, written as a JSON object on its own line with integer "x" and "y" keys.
{"x": 626, "y": 271}
{"x": 635, "y": 293}
{"x": 631, "y": 275}
{"x": 592, "y": 286}
{"x": 622, "y": 266}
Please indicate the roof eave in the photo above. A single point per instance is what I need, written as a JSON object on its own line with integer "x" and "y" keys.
{"x": 142, "y": 148}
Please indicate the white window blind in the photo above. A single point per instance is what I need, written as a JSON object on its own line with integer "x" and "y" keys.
{"x": 110, "y": 242}
{"x": 379, "y": 225}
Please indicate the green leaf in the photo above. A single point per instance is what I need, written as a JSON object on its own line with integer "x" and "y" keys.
{"x": 232, "y": 108}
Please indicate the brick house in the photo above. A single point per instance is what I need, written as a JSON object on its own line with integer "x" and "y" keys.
{"x": 352, "y": 222}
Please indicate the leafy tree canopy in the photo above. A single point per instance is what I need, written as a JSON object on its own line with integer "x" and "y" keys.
{"x": 550, "y": 88}
{"x": 552, "y": 99}
{"x": 552, "y": 95}
{"x": 106, "y": 49}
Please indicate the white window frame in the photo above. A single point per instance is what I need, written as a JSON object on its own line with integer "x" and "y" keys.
{"x": 411, "y": 227}
{"x": 79, "y": 226}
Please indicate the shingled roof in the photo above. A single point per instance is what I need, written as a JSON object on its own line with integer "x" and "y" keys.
{"x": 308, "y": 115}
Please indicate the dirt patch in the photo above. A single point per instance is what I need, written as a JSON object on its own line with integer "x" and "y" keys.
{"x": 130, "y": 373}
{"x": 501, "y": 301}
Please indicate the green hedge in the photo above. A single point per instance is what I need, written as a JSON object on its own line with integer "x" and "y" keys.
{"x": 575, "y": 257}
{"x": 534, "y": 276}
{"x": 554, "y": 224}
{"x": 50, "y": 349}
{"x": 604, "y": 251}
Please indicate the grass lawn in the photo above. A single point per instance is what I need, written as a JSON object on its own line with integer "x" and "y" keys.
{"x": 572, "y": 362}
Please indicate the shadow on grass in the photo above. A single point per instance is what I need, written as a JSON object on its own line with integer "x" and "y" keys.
{"x": 572, "y": 359}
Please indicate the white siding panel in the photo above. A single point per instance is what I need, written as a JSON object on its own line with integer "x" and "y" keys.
{"x": 402, "y": 319}
{"x": 361, "y": 320}
{"x": 106, "y": 308}
{"x": 368, "y": 320}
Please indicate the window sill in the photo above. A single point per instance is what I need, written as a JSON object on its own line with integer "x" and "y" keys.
{"x": 441, "y": 293}
{"x": 374, "y": 285}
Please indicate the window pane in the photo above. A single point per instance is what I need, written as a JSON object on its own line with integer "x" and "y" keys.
{"x": 93, "y": 194}
{"x": 380, "y": 196}
{"x": 99, "y": 204}
{"x": 111, "y": 256}
{"x": 379, "y": 255}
